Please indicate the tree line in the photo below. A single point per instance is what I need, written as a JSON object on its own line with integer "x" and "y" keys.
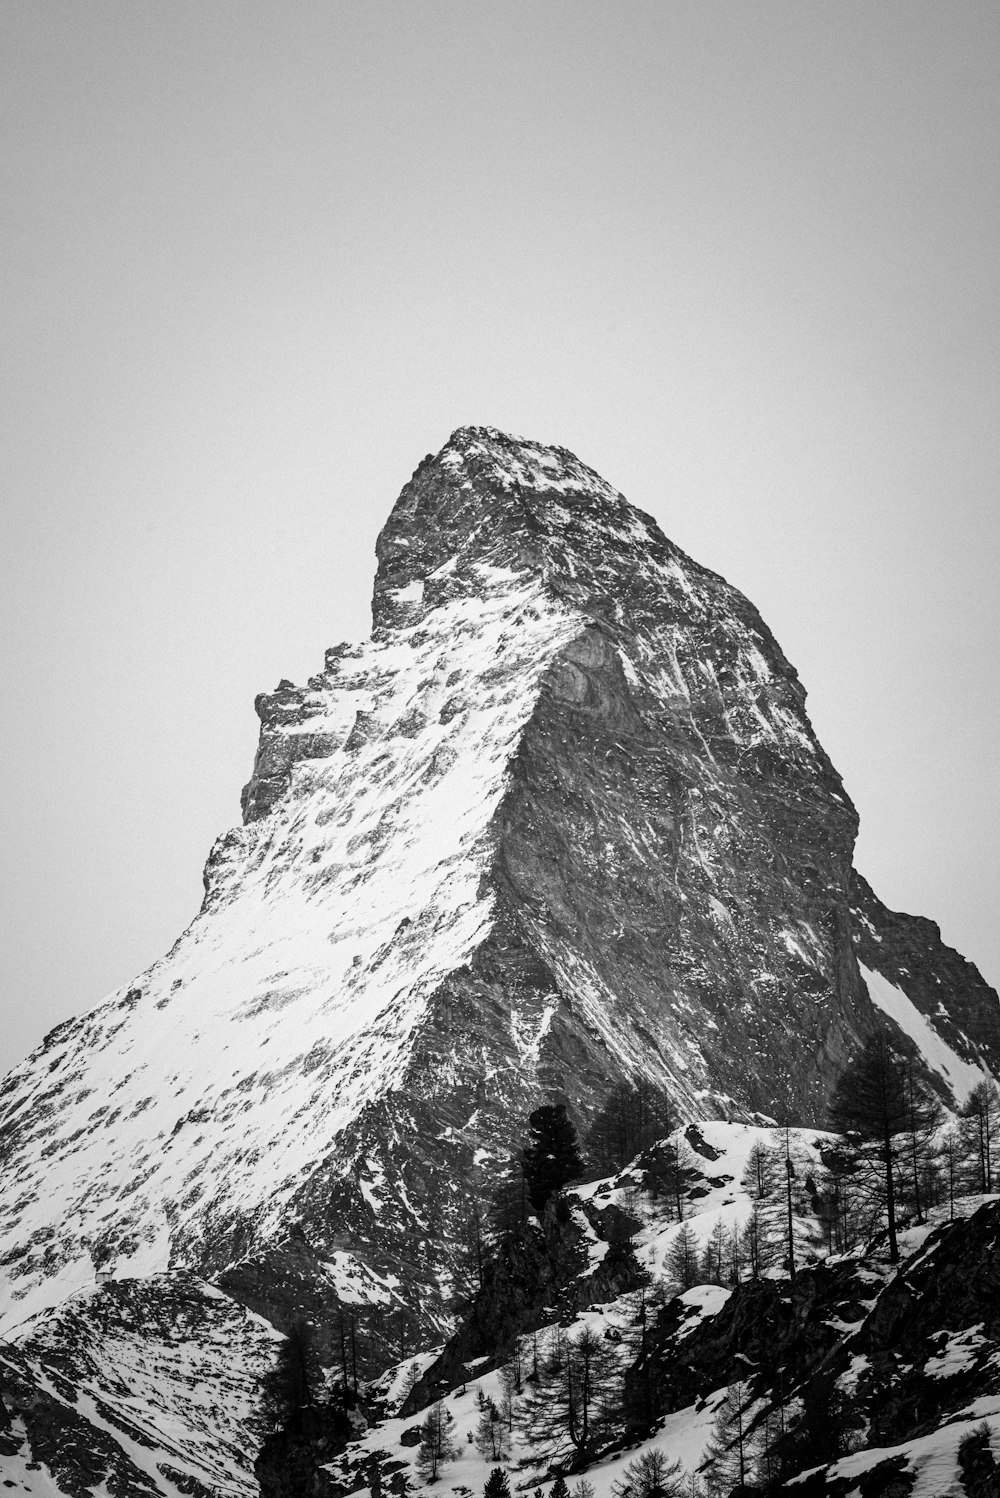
{"x": 892, "y": 1159}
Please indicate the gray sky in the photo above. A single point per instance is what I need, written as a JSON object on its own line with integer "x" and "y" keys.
{"x": 259, "y": 259}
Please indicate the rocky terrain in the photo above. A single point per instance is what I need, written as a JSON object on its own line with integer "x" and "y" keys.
{"x": 906, "y": 1358}
{"x": 561, "y": 821}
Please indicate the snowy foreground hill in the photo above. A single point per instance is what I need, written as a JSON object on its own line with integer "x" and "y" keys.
{"x": 561, "y": 822}
{"x": 927, "y": 1330}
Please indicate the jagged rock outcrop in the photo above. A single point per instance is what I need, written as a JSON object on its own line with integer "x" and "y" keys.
{"x": 860, "y": 1379}
{"x": 562, "y": 820}
{"x": 913, "y": 1351}
{"x": 540, "y": 1270}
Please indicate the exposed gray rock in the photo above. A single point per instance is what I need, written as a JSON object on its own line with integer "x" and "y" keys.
{"x": 562, "y": 821}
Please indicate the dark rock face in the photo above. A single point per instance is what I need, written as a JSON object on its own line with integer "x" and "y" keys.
{"x": 914, "y": 1351}
{"x": 762, "y": 1326}
{"x": 539, "y": 1270}
{"x": 948, "y": 1298}
{"x": 561, "y": 822}
{"x": 941, "y": 984}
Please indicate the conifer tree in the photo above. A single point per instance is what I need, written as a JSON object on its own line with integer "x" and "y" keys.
{"x": 649, "y": 1475}
{"x": 436, "y": 1445}
{"x": 509, "y": 1203}
{"x": 681, "y": 1264}
{"x": 714, "y": 1256}
{"x": 633, "y": 1116}
{"x": 847, "y": 1213}
{"x": 923, "y": 1120}
{"x": 289, "y": 1387}
{"x": 980, "y": 1115}
{"x": 491, "y": 1433}
{"x": 728, "y": 1457}
{"x": 756, "y": 1244}
{"x": 734, "y": 1255}
{"x": 872, "y": 1108}
{"x": 497, "y": 1485}
{"x": 574, "y": 1398}
{"x": 759, "y": 1175}
{"x": 559, "y": 1488}
{"x": 950, "y": 1150}
{"x": 670, "y": 1169}
{"x": 552, "y": 1155}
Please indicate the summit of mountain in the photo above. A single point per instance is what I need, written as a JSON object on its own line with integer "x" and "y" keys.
{"x": 561, "y": 822}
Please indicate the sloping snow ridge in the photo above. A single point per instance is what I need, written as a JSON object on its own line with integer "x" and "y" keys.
{"x": 560, "y": 822}
{"x": 232, "y": 1064}
{"x": 961, "y": 1076}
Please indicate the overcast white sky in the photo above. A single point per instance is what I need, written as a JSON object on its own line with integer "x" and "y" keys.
{"x": 260, "y": 258}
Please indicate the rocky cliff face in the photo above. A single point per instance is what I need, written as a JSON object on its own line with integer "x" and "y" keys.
{"x": 561, "y": 820}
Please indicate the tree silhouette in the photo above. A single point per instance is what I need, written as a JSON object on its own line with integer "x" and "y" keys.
{"x": 633, "y": 1116}
{"x": 289, "y": 1386}
{"x": 552, "y": 1154}
{"x": 497, "y": 1485}
{"x": 979, "y": 1116}
{"x": 682, "y": 1259}
{"x": 436, "y": 1445}
{"x": 872, "y": 1106}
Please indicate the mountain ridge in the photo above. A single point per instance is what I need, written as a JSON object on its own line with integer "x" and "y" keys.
{"x": 561, "y": 822}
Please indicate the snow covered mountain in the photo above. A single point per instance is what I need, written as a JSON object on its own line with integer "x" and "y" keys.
{"x": 562, "y": 820}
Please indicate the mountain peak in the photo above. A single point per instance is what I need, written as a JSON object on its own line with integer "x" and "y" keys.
{"x": 561, "y": 823}
{"x": 490, "y": 505}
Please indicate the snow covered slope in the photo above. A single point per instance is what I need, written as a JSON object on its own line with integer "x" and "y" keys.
{"x": 561, "y": 820}
{"x": 137, "y": 1387}
{"x": 913, "y": 1350}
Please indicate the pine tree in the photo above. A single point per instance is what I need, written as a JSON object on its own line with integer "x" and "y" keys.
{"x": 872, "y": 1108}
{"x": 923, "y": 1121}
{"x": 715, "y": 1254}
{"x": 436, "y": 1445}
{"x": 552, "y": 1155}
{"x": 491, "y": 1433}
{"x": 497, "y": 1485}
{"x": 848, "y": 1213}
{"x": 649, "y": 1475}
{"x": 670, "y": 1168}
{"x": 289, "y": 1387}
{"x": 509, "y": 1205}
{"x": 787, "y": 1168}
{"x": 473, "y": 1239}
{"x": 979, "y": 1119}
{"x": 765, "y": 1446}
{"x": 951, "y": 1155}
{"x": 759, "y": 1175}
{"x": 728, "y": 1456}
{"x": 559, "y": 1488}
{"x": 734, "y": 1255}
{"x": 757, "y": 1243}
{"x": 681, "y": 1262}
{"x": 633, "y": 1116}
{"x": 574, "y": 1397}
